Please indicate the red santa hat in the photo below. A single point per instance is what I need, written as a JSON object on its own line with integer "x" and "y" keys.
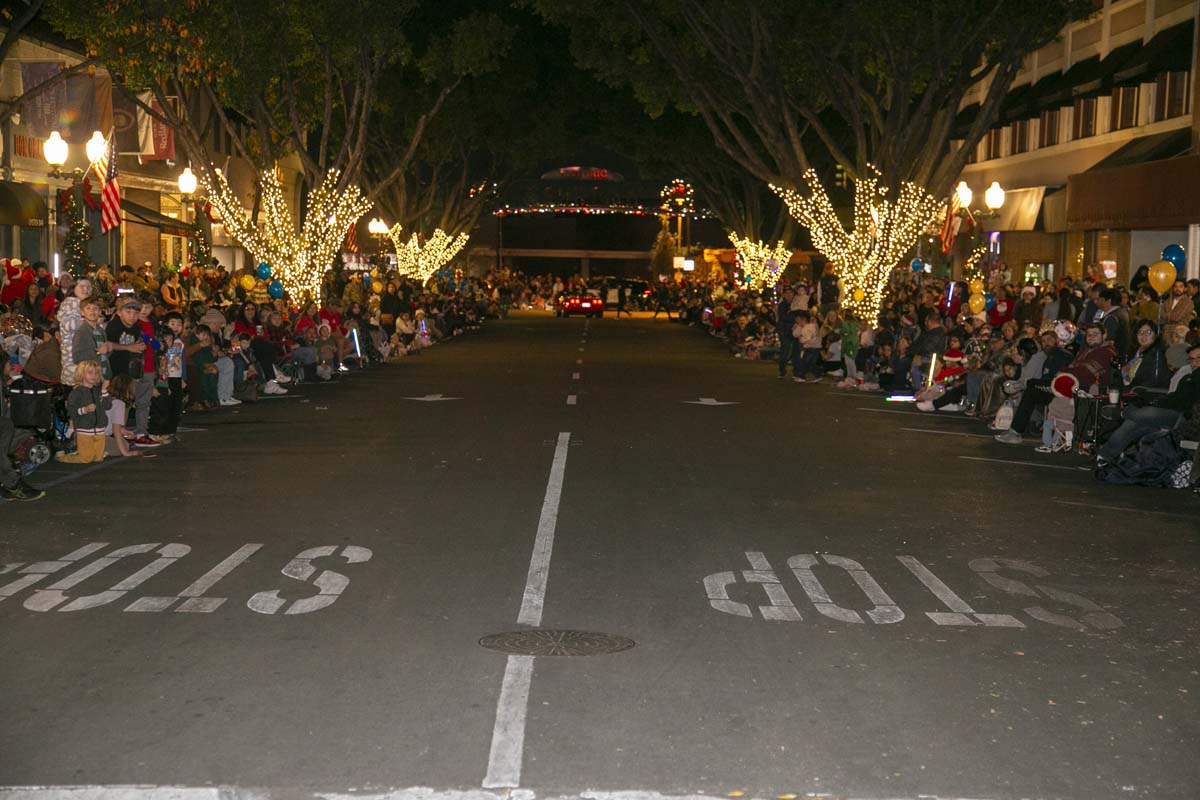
{"x": 954, "y": 357}
{"x": 1064, "y": 385}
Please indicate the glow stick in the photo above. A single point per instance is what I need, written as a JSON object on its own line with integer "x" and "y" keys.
{"x": 357, "y": 349}
{"x": 932, "y": 369}
{"x": 902, "y": 398}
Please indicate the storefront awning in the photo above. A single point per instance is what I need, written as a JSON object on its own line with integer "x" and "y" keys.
{"x": 1020, "y": 209}
{"x": 140, "y": 215}
{"x": 1055, "y": 91}
{"x": 1148, "y": 148}
{"x": 1169, "y": 51}
{"x": 21, "y": 205}
{"x": 1157, "y": 195}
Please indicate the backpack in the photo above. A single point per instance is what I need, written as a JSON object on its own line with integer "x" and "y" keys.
{"x": 1155, "y": 462}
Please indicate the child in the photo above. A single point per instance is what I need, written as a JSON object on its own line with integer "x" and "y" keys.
{"x": 1059, "y": 427}
{"x": 86, "y": 407}
{"x": 120, "y": 396}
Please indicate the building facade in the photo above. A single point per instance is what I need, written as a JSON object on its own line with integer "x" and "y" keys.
{"x": 1096, "y": 146}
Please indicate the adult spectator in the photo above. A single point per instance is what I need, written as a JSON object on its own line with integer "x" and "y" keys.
{"x": 1140, "y": 278}
{"x": 1176, "y": 341}
{"x": 789, "y": 344}
{"x": 11, "y": 482}
{"x": 1146, "y": 306}
{"x": 1147, "y": 366}
{"x": 1037, "y": 392}
{"x": 1179, "y": 306}
{"x": 1002, "y": 310}
{"x": 931, "y": 342}
{"x": 173, "y": 296}
{"x": 1163, "y": 413}
{"x": 1115, "y": 320}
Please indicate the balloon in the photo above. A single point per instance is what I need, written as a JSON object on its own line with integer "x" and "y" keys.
{"x": 977, "y": 303}
{"x": 1175, "y": 254}
{"x": 263, "y": 271}
{"x": 1162, "y": 275}
{"x": 977, "y": 286}
{"x": 275, "y": 289}
{"x": 248, "y": 281}
{"x": 917, "y": 265}
{"x": 375, "y": 272}
{"x": 989, "y": 301}
{"x": 377, "y": 287}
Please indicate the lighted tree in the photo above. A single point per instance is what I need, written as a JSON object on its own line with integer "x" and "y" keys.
{"x": 422, "y": 260}
{"x": 298, "y": 255}
{"x": 883, "y": 229}
{"x": 79, "y": 233}
{"x": 762, "y": 264}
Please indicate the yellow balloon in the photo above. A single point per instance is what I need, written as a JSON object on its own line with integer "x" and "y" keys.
{"x": 1162, "y": 275}
{"x": 377, "y": 287}
{"x": 859, "y": 294}
{"x": 248, "y": 281}
{"x": 375, "y": 272}
{"x": 977, "y": 303}
{"x": 977, "y": 286}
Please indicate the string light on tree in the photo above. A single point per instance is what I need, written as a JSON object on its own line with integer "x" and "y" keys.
{"x": 762, "y": 264}
{"x": 298, "y": 260}
{"x": 422, "y": 261}
{"x": 883, "y": 232}
{"x": 970, "y": 266}
{"x": 678, "y": 198}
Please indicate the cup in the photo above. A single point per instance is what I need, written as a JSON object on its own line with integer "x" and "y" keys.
{"x": 1114, "y": 396}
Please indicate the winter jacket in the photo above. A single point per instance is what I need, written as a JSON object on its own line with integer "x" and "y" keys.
{"x": 87, "y": 421}
{"x": 1094, "y": 366}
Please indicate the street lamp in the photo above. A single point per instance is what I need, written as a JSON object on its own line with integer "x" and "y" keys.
{"x": 55, "y": 151}
{"x": 95, "y": 147}
{"x": 378, "y": 228}
{"x": 994, "y": 197}
{"x": 964, "y": 194}
{"x": 187, "y": 182}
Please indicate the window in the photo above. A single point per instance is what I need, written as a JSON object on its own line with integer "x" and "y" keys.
{"x": 1020, "y": 137}
{"x": 1085, "y": 118}
{"x": 992, "y": 143}
{"x": 1048, "y": 130}
{"x": 1124, "y": 108}
{"x": 1171, "y": 95}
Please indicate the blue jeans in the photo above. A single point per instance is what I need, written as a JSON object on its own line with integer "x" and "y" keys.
{"x": 789, "y": 350}
{"x": 1138, "y": 422}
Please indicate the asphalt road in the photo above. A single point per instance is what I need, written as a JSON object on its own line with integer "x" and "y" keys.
{"x": 829, "y": 594}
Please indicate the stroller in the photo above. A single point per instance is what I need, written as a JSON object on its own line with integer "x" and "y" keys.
{"x": 39, "y": 414}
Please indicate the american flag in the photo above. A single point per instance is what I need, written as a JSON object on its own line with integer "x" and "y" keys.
{"x": 110, "y": 191}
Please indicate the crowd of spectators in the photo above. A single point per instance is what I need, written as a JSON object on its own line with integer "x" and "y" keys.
{"x": 128, "y": 354}
{"x": 1079, "y": 365}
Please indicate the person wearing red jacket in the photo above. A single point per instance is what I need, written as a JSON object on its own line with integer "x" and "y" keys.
{"x": 1002, "y": 311}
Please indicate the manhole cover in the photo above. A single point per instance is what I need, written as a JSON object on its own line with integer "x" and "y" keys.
{"x": 548, "y": 642}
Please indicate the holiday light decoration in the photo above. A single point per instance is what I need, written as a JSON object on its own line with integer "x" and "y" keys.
{"x": 678, "y": 198}
{"x": 970, "y": 266}
{"x": 298, "y": 260}
{"x": 422, "y": 261}
{"x": 884, "y": 231}
{"x": 762, "y": 264}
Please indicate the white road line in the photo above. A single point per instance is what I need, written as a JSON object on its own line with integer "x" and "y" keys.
{"x": 579, "y": 361}
{"x": 1130, "y": 510}
{"x": 913, "y": 413}
{"x": 508, "y": 736}
{"x": 571, "y": 399}
{"x": 1025, "y": 463}
{"x": 146, "y": 792}
{"x": 948, "y": 433}
{"x": 574, "y": 376}
{"x": 539, "y": 563}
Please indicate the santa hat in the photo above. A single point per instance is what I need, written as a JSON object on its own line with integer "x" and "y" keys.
{"x": 954, "y": 357}
{"x": 1064, "y": 385}
{"x": 1028, "y": 290}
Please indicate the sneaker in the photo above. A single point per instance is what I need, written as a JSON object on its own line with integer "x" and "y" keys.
{"x": 23, "y": 491}
{"x": 798, "y": 379}
{"x": 1045, "y": 448}
{"x": 281, "y": 379}
{"x": 343, "y": 368}
{"x": 146, "y": 441}
{"x": 837, "y": 373}
{"x": 231, "y": 401}
{"x": 164, "y": 438}
{"x": 953, "y": 407}
{"x": 1008, "y": 437}
{"x": 926, "y": 405}
{"x": 272, "y": 387}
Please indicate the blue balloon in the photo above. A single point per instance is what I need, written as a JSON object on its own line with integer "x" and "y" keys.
{"x": 989, "y": 301}
{"x": 1175, "y": 254}
{"x": 275, "y": 289}
{"x": 263, "y": 271}
{"x": 917, "y": 265}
